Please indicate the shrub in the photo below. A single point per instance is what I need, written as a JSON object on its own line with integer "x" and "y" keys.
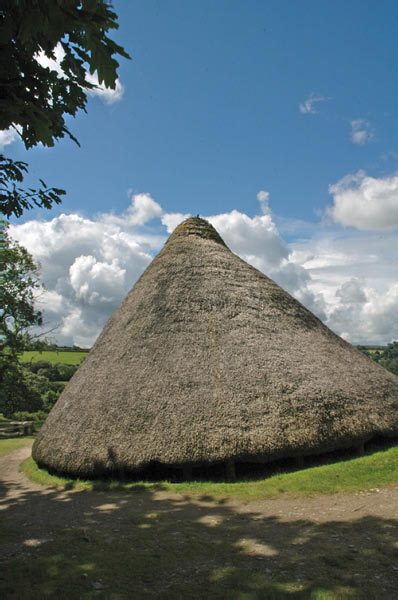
{"x": 19, "y": 392}
{"x": 24, "y": 415}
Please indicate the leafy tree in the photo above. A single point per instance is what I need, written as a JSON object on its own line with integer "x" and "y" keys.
{"x": 50, "y": 398}
{"x": 14, "y": 199}
{"x": 19, "y": 391}
{"x": 35, "y": 99}
{"x": 65, "y": 372}
{"x": 390, "y": 364}
{"x": 19, "y": 282}
{"x": 391, "y": 351}
{"x": 37, "y": 366}
{"x": 53, "y": 372}
{"x": 386, "y": 357}
{"x": 389, "y": 359}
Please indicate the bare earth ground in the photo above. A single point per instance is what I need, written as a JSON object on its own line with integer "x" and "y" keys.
{"x": 347, "y": 543}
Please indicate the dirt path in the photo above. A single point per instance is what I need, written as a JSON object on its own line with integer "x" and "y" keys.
{"x": 382, "y": 503}
{"x": 344, "y": 541}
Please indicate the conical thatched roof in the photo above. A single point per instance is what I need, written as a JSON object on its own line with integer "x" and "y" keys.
{"x": 208, "y": 360}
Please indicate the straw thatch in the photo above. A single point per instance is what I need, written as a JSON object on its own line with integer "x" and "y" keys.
{"x": 208, "y": 360}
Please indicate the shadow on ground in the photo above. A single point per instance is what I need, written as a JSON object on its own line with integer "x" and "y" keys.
{"x": 148, "y": 544}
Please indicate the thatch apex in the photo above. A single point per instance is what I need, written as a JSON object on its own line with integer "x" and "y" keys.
{"x": 208, "y": 360}
{"x": 195, "y": 226}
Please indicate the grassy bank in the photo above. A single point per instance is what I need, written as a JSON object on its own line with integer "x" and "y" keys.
{"x": 376, "y": 470}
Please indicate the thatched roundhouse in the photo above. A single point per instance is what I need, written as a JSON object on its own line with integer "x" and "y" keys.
{"x": 208, "y": 360}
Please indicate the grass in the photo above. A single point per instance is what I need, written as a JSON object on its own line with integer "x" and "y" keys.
{"x": 10, "y": 444}
{"x": 376, "y": 470}
{"x": 53, "y": 357}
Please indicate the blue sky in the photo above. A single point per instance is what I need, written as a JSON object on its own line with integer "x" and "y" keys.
{"x": 277, "y": 120}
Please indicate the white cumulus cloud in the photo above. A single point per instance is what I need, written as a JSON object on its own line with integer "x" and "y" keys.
{"x": 96, "y": 281}
{"x": 361, "y": 132}
{"x": 356, "y": 278}
{"x": 8, "y": 136}
{"x": 89, "y": 265}
{"x": 255, "y": 239}
{"x": 143, "y": 208}
{"x": 365, "y": 315}
{"x": 308, "y": 106}
{"x": 364, "y": 202}
{"x": 54, "y": 64}
{"x": 263, "y": 198}
{"x": 107, "y": 95}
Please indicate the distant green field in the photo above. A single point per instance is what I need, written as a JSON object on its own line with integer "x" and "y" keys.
{"x": 67, "y": 358}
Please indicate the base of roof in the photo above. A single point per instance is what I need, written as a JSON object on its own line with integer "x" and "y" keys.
{"x": 231, "y": 469}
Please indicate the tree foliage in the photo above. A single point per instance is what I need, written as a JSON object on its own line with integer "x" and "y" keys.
{"x": 389, "y": 360}
{"x": 35, "y": 99}
{"x": 19, "y": 391}
{"x": 19, "y": 283}
{"x": 52, "y": 371}
{"x": 387, "y": 356}
{"x": 14, "y": 199}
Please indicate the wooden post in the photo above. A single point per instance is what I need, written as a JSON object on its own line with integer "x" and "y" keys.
{"x": 230, "y": 469}
{"x": 187, "y": 472}
{"x": 361, "y": 449}
{"x": 27, "y": 428}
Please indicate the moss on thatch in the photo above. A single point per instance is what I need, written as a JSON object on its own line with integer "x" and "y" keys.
{"x": 196, "y": 227}
{"x": 208, "y": 360}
